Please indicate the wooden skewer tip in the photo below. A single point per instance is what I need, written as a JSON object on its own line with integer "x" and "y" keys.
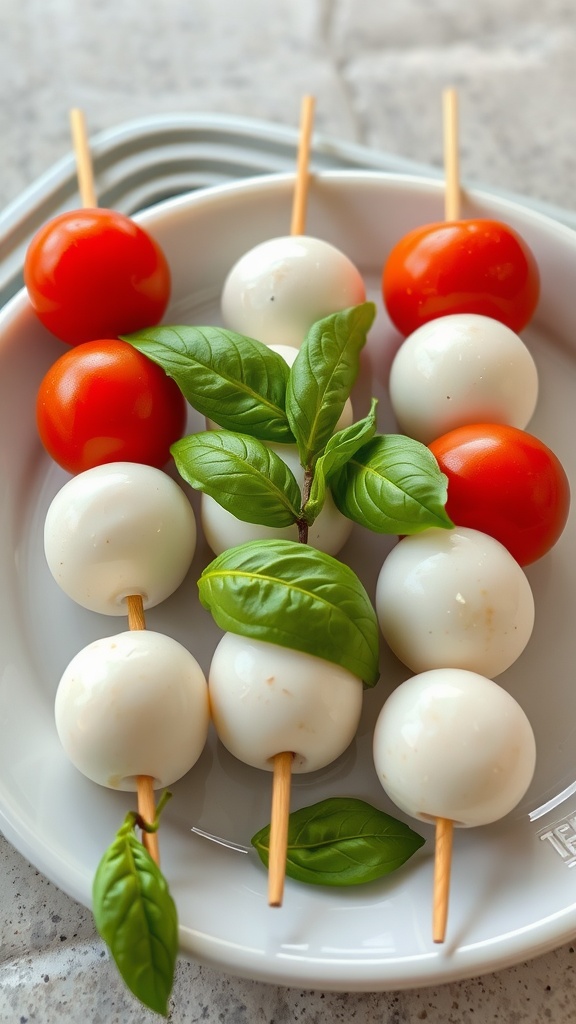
{"x": 84, "y": 168}
{"x": 300, "y": 198}
{"x": 452, "y": 199}
{"x": 281, "y": 785}
{"x": 442, "y": 871}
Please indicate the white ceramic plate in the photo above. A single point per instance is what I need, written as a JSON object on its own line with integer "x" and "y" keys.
{"x": 513, "y": 893}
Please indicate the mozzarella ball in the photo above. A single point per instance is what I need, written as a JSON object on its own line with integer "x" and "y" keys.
{"x": 462, "y": 369}
{"x": 452, "y": 744}
{"x": 288, "y": 352}
{"x": 267, "y": 700}
{"x": 118, "y": 530}
{"x": 133, "y": 704}
{"x": 277, "y": 290}
{"x": 329, "y": 531}
{"x": 454, "y": 598}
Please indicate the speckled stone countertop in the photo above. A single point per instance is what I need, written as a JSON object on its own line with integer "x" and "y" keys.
{"x": 377, "y": 70}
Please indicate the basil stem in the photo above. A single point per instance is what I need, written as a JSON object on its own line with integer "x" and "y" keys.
{"x": 339, "y": 449}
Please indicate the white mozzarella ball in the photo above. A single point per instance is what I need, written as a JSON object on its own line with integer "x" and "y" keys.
{"x": 267, "y": 700}
{"x": 454, "y": 598}
{"x": 277, "y": 290}
{"x": 288, "y": 352}
{"x": 133, "y": 704}
{"x": 460, "y": 369}
{"x": 452, "y": 744}
{"x": 329, "y": 531}
{"x": 118, "y": 530}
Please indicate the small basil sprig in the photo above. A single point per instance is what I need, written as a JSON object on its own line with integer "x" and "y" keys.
{"x": 136, "y": 915}
{"x": 387, "y": 483}
{"x": 342, "y": 841}
{"x": 242, "y": 474}
{"x": 293, "y": 595}
{"x": 392, "y": 484}
{"x": 322, "y": 376}
{"x": 236, "y": 381}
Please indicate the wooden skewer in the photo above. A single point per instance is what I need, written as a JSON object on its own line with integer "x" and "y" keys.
{"x": 281, "y": 784}
{"x": 84, "y": 167}
{"x": 442, "y": 868}
{"x": 452, "y": 195}
{"x": 145, "y": 783}
{"x": 282, "y": 777}
{"x": 136, "y": 618}
{"x": 445, "y": 827}
{"x": 300, "y": 198}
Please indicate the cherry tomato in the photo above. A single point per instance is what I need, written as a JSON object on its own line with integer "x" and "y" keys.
{"x": 105, "y": 402}
{"x": 465, "y": 266}
{"x": 95, "y": 273}
{"x": 506, "y": 483}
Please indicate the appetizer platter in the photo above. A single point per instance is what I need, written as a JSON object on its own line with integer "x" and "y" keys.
{"x": 512, "y": 893}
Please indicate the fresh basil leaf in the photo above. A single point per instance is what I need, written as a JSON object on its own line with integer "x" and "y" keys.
{"x": 242, "y": 474}
{"x": 293, "y": 595}
{"x": 236, "y": 381}
{"x": 342, "y": 841}
{"x": 136, "y": 916}
{"x": 392, "y": 484}
{"x": 322, "y": 376}
{"x": 339, "y": 449}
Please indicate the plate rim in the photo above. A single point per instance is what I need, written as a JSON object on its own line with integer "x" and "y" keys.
{"x": 549, "y": 934}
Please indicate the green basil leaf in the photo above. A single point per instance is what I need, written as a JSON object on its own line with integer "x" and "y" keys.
{"x": 293, "y": 595}
{"x": 322, "y": 376}
{"x": 393, "y": 484}
{"x": 339, "y": 449}
{"x": 242, "y": 474}
{"x": 342, "y": 841}
{"x": 136, "y": 916}
{"x": 236, "y": 381}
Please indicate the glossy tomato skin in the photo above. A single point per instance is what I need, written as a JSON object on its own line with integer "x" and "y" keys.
{"x": 94, "y": 273}
{"x": 465, "y": 266}
{"x": 506, "y": 483}
{"x": 105, "y": 402}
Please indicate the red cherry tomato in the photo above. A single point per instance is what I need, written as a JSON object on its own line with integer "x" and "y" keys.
{"x": 466, "y": 266}
{"x": 105, "y": 402}
{"x": 506, "y": 483}
{"x": 95, "y": 273}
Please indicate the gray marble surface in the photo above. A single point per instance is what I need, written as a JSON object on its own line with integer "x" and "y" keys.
{"x": 377, "y": 70}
